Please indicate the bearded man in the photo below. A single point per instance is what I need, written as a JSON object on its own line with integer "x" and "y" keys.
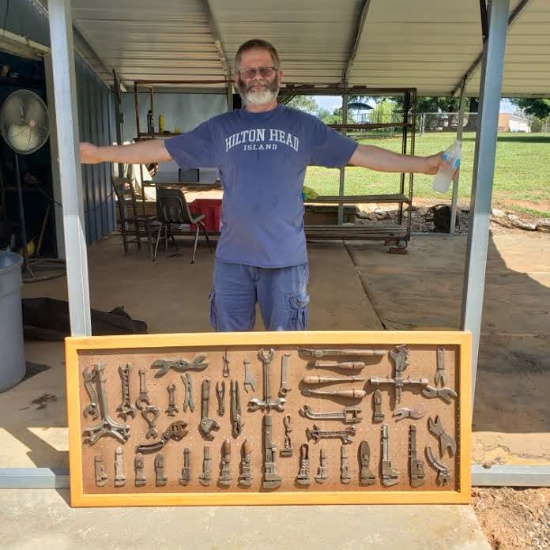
{"x": 262, "y": 152}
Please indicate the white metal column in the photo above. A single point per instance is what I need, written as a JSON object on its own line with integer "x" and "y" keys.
{"x": 64, "y": 85}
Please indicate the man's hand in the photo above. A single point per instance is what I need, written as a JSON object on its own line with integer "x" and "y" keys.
{"x": 89, "y": 153}
{"x": 433, "y": 162}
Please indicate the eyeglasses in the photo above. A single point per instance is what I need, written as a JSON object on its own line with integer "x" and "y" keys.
{"x": 265, "y": 72}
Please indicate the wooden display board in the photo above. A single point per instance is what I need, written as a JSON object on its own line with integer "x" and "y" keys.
{"x": 398, "y": 429}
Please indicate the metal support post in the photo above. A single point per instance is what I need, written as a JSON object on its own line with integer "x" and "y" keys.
{"x": 459, "y": 132}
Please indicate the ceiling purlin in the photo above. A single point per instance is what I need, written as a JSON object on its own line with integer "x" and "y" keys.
{"x": 358, "y": 33}
{"x": 468, "y": 74}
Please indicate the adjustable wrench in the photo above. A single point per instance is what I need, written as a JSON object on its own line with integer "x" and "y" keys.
{"x": 207, "y": 424}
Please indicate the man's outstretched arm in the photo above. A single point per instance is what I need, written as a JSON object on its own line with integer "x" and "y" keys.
{"x": 382, "y": 160}
{"x": 142, "y": 152}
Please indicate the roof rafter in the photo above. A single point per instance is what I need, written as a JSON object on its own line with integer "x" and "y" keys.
{"x": 358, "y": 33}
{"x": 217, "y": 39}
{"x": 468, "y": 74}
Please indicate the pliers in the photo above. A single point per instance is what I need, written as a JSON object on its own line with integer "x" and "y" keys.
{"x": 405, "y": 412}
{"x": 446, "y": 442}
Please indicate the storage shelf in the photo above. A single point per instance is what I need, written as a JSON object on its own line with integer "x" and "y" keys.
{"x": 358, "y": 232}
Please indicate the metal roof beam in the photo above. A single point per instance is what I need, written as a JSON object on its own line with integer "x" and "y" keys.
{"x": 360, "y": 27}
{"x": 485, "y": 32}
{"x": 222, "y": 55}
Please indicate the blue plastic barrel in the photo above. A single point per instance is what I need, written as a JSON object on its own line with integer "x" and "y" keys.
{"x": 12, "y": 356}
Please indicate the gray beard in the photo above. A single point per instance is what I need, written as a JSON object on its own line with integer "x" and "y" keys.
{"x": 259, "y": 97}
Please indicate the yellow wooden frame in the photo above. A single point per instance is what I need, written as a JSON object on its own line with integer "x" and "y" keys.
{"x": 75, "y": 346}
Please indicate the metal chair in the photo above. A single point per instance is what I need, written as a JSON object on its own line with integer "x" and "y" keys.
{"x": 132, "y": 223}
{"x": 172, "y": 208}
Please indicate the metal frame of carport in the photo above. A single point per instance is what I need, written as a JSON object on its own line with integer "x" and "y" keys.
{"x": 494, "y": 30}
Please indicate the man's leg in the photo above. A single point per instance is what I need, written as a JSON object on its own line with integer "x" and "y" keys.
{"x": 233, "y": 297}
{"x": 283, "y": 298}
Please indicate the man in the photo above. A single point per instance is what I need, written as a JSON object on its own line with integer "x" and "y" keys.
{"x": 262, "y": 152}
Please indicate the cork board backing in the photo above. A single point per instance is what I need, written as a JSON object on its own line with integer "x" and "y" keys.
{"x": 140, "y": 352}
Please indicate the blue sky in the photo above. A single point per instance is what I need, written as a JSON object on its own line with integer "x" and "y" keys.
{"x": 334, "y": 102}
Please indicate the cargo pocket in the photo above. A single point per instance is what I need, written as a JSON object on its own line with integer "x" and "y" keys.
{"x": 298, "y": 311}
{"x": 213, "y": 316}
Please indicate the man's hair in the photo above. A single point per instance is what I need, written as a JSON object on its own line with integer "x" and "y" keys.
{"x": 257, "y": 44}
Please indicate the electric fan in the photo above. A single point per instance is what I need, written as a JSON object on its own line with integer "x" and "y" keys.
{"x": 25, "y": 127}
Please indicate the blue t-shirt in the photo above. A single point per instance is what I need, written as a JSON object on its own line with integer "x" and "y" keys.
{"x": 262, "y": 159}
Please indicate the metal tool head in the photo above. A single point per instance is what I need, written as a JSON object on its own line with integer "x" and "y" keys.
{"x": 209, "y": 424}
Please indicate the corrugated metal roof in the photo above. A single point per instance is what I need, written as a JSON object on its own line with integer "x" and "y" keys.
{"x": 427, "y": 44}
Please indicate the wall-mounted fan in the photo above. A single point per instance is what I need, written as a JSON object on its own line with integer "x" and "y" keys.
{"x": 25, "y": 127}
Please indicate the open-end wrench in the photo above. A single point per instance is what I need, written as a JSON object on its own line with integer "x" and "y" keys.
{"x": 143, "y": 397}
{"x": 268, "y": 402}
{"x": 249, "y": 380}
{"x": 317, "y": 433}
{"x": 406, "y": 412}
{"x": 164, "y": 365}
{"x": 444, "y": 393}
{"x": 125, "y": 408}
{"x": 172, "y": 407}
{"x": 151, "y": 414}
{"x": 440, "y": 375}
{"x": 446, "y": 442}
{"x": 188, "y": 386}
{"x": 348, "y": 415}
{"x": 93, "y": 408}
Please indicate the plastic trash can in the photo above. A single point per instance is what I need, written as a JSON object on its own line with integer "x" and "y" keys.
{"x": 12, "y": 358}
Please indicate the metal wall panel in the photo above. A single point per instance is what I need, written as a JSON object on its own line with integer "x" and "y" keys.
{"x": 22, "y": 17}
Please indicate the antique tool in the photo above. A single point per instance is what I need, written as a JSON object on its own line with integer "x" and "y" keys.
{"x": 143, "y": 397}
{"x": 350, "y": 394}
{"x": 141, "y": 480}
{"x": 305, "y": 352}
{"x": 236, "y": 416}
{"x": 446, "y": 442}
{"x": 312, "y": 380}
{"x": 125, "y": 408}
{"x": 120, "y": 478}
{"x": 245, "y": 477}
{"x": 287, "y": 449}
{"x": 443, "y": 473}
{"x": 100, "y": 473}
{"x": 366, "y": 477}
{"x": 416, "y": 465}
{"x": 249, "y": 380}
{"x": 93, "y": 408}
{"x": 106, "y": 426}
{"x": 185, "y": 477}
{"x": 220, "y": 395}
{"x": 390, "y": 476}
{"x": 377, "y": 414}
{"x": 164, "y": 365}
{"x": 225, "y": 464}
{"x": 345, "y": 435}
{"x": 188, "y": 386}
{"x": 445, "y": 393}
{"x": 151, "y": 414}
{"x": 268, "y": 402}
{"x": 172, "y": 408}
{"x": 440, "y": 374}
{"x": 176, "y": 431}
{"x": 345, "y": 476}
{"x": 225, "y": 370}
{"x": 206, "y": 476}
{"x": 271, "y": 479}
{"x": 322, "y": 471}
{"x": 401, "y": 361}
{"x": 346, "y": 365}
{"x": 207, "y": 424}
{"x": 160, "y": 478}
{"x": 406, "y": 412}
{"x": 285, "y": 388}
{"x": 303, "y": 475}
{"x": 348, "y": 415}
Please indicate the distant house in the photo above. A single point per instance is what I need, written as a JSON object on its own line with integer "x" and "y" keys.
{"x": 512, "y": 123}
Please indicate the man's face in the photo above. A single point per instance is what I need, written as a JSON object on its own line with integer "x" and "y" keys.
{"x": 257, "y": 82}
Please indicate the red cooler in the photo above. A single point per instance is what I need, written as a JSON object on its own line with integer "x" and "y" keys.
{"x": 211, "y": 208}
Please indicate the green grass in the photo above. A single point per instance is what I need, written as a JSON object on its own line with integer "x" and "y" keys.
{"x": 522, "y": 171}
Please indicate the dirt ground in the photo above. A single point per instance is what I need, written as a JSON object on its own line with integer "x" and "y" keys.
{"x": 514, "y": 518}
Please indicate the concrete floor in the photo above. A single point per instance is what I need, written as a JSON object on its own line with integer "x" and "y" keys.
{"x": 354, "y": 286}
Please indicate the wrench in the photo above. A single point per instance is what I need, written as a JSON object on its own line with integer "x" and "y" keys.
{"x": 220, "y": 395}
{"x": 440, "y": 375}
{"x": 172, "y": 408}
{"x": 444, "y": 393}
{"x": 164, "y": 365}
{"x": 188, "y": 385}
{"x": 143, "y": 397}
{"x": 125, "y": 408}
{"x": 405, "y": 412}
{"x": 267, "y": 403}
{"x": 390, "y": 476}
{"x": 285, "y": 388}
{"x": 176, "y": 431}
{"x": 446, "y": 442}
{"x": 207, "y": 424}
{"x": 348, "y": 415}
{"x": 151, "y": 414}
{"x": 249, "y": 380}
{"x": 92, "y": 409}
